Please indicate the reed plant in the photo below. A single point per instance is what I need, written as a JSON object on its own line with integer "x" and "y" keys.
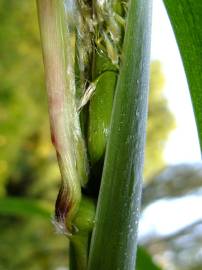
{"x": 96, "y": 59}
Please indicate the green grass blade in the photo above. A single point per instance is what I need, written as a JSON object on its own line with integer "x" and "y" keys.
{"x": 186, "y": 19}
{"x": 114, "y": 238}
{"x": 24, "y": 207}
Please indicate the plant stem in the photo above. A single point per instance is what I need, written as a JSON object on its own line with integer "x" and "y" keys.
{"x": 114, "y": 240}
{"x": 79, "y": 252}
{"x": 79, "y": 242}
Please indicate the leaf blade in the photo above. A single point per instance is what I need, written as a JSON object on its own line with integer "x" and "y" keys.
{"x": 186, "y": 19}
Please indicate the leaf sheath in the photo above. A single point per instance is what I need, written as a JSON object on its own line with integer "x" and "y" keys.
{"x": 114, "y": 238}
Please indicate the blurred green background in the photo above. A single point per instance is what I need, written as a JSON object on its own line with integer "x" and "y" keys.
{"x": 28, "y": 165}
{"x": 29, "y": 175}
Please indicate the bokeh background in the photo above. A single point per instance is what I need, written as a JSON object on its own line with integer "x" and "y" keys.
{"x": 29, "y": 175}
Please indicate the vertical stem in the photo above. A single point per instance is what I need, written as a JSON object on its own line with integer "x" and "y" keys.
{"x": 79, "y": 251}
{"x": 114, "y": 240}
{"x": 79, "y": 242}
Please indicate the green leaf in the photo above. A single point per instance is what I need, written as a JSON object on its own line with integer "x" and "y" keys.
{"x": 144, "y": 260}
{"x": 186, "y": 19}
{"x": 24, "y": 207}
{"x": 114, "y": 239}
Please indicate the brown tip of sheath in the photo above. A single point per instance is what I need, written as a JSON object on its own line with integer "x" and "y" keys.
{"x": 62, "y": 205}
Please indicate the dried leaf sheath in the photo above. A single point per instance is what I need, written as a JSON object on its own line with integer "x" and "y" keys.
{"x": 58, "y": 43}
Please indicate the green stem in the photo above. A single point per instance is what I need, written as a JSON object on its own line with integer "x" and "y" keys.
{"x": 114, "y": 240}
{"x": 79, "y": 251}
{"x": 79, "y": 242}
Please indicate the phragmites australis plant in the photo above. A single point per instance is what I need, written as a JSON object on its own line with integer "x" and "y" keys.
{"x": 96, "y": 58}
